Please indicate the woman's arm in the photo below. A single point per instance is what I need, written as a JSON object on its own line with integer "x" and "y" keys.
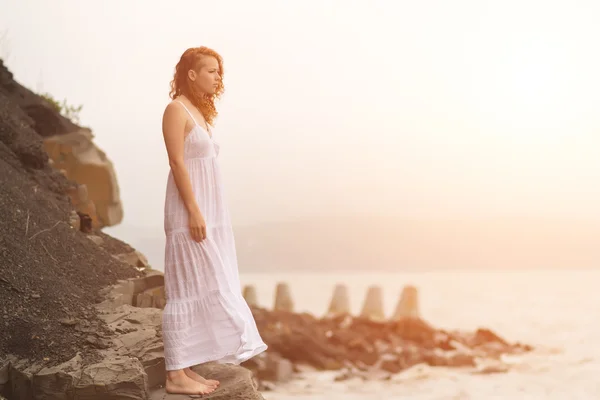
{"x": 173, "y": 125}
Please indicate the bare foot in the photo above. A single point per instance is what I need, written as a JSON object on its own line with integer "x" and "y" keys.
{"x": 199, "y": 378}
{"x": 179, "y": 383}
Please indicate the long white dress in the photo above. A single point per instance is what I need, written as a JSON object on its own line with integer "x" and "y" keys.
{"x": 206, "y": 317}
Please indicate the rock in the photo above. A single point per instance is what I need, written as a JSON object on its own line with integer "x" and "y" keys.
{"x": 68, "y": 321}
{"x": 143, "y": 300}
{"x": 118, "y": 377}
{"x": 153, "y": 361}
{"x": 304, "y": 369}
{"x": 87, "y": 223}
{"x": 345, "y": 375}
{"x": 4, "y": 375}
{"x": 127, "y": 315}
{"x": 265, "y": 386}
{"x": 44, "y": 117}
{"x": 134, "y": 258}
{"x": 97, "y": 342}
{"x": 133, "y": 364}
{"x": 250, "y": 295}
{"x": 366, "y": 344}
{"x": 86, "y": 164}
{"x": 305, "y": 347}
{"x": 150, "y": 287}
{"x": 236, "y": 383}
{"x": 345, "y": 322}
{"x": 444, "y": 341}
{"x": 124, "y": 292}
{"x": 439, "y": 358}
{"x": 55, "y": 382}
{"x": 485, "y": 342}
{"x": 411, "y": 355}
{"x": 483, "y": 336}
{"x": 392, "y": 365}
{"x": 137, "y": 335}
{"x": 146, "y": 345}
{"x": 340, "y": 302}
{"x": 361, "y": 350}
{"x": 20, "y": 377}
{"x": 79, "y": 198}
{"x": 153, "y": 278}
{"x": 121, "y": 294}
{"x": 283, "y": 298}
{"x": 74, "y": 220}
{"x": 493, "y": 349}
{"x": 154, "y": 297}
{"x": 373, "y": 305}
{"x": 369, "y": 374}
{"x": 96, "y": 239}
{"x": 416, "y": 330}
{"x": 491, "y": 368}
{"x": 408, "y": 305}
{"x": 82, "y": 193}
{"x": 274, "y": 368}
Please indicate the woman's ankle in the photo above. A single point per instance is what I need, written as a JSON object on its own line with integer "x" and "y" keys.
{"x": 174, "y": 374}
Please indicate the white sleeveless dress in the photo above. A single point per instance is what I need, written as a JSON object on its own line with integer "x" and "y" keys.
{"x": 206, "y": 317}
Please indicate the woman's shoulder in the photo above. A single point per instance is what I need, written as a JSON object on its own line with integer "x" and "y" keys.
{"x": 174, "y": 116}
{"x": 174, "y": 103}
{"x": 174, "y": 108}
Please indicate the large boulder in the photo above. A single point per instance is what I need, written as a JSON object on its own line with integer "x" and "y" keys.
{"x": 116, "y": 377}
{"x": 83, "y": 162}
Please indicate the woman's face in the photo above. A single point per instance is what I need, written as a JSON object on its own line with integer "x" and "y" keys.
{"x": 207, "y": 78}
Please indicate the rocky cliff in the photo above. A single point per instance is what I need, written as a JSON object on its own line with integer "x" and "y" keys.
{"x": 70, "y": 149}
{"x": 68, "y": 328}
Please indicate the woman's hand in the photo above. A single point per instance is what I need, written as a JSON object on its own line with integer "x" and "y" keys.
{"x": 197, "y": 226}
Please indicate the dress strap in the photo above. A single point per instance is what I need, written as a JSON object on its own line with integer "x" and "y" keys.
{"x": 188, "y": 111}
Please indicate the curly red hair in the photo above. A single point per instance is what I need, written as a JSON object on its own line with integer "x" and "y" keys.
{"x": 192, "y": 59}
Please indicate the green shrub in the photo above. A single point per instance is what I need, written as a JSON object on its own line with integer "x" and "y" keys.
{"x": 67, "y": 110}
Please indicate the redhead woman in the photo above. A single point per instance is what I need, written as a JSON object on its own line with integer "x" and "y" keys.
{"x": 206, "y": 317}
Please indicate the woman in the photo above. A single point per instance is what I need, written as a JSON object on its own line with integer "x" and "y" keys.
{"x": 206, "y": 317}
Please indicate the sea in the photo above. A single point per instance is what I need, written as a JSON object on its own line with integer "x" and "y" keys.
{"x": 556, "y": 311}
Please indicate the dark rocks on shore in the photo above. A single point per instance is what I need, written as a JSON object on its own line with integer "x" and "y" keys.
{"x": 361, "y": 343}
{"x": 129, "y": 360}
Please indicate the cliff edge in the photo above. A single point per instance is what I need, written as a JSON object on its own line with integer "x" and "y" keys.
{"x": 70, "y": 150}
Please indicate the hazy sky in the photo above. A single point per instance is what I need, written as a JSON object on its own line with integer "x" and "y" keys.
{"x": 417, "y": 108}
